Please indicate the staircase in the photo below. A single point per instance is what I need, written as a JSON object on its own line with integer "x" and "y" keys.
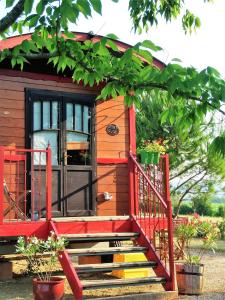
{"x": 117, "y": 230}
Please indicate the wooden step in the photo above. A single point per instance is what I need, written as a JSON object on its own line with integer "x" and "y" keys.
{"x": 91, "y": 218}
{"x": 104, "y": 251}
{"x": 113, "y": 283}
{"x": 108, "y": 267}
{"x": 107, "y": 236}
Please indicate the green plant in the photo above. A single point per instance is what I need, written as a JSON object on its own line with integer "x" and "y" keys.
{"x": 221, "y": 227}
{"x": 221, "y": 211}
{"x": 152, "y": 147}
{"x": 208, "y": 233}
{"x": 41, "y": 255}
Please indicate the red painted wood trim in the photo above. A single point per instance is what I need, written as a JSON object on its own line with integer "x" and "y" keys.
{"x": 132, "y": 131}
{"x": 35, "y": 76}
{"x": 69, "y": 270}
{"x": 115, "y": 161}
{"x": 171, "y": 283}
{"x": 49, "y": 184}
{"x": 1, "y": 183}
{"x": 14, "y": 157}
{"x": 37, "y": 228}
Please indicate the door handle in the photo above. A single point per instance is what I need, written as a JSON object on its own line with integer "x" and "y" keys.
{"x": 65, "y": 157}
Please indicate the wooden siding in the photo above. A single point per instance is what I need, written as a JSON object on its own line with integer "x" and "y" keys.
{"x": 111, "y": 178}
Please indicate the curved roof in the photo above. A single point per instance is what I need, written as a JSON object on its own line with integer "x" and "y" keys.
{"x": 80, "y": 36}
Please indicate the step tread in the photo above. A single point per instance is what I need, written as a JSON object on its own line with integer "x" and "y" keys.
{"x": 108, "y": 250}
{"x": 95, "y": 284}
{"x": 114, "y": 266}
{"x": 91, "y": 219}
{"x": 105, "y": 235}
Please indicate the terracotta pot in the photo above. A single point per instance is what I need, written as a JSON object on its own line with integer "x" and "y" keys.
{"x": 189, "y": 279}
{"x": 46, "y": 290}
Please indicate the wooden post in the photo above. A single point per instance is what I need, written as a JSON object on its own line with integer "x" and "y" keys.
{"x": 48, "y": 184}
{"x": 132, "y": 176}
{"x": 171, "y": 283}
{"x": 132, "y": 129}
{"x": 1, "y": 183}
{"x": 131, "y": 186}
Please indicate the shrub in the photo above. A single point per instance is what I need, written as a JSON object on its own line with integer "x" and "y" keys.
{"x": 221, "y": 211}
{"x": 202, "y": 206}
{"x": 208, "y": 232}
{"x": 185, "y": 209}
{"x": 221, "y": 227}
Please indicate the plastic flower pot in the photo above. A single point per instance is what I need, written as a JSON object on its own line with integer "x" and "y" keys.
{"x": 46, "y": 290}
{"x": 150, "y": 157}
{"x": 154, "y": 157}
{"x": 144, "y": 157}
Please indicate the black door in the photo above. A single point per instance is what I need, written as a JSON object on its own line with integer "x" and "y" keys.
{"x": 65, "y": 121}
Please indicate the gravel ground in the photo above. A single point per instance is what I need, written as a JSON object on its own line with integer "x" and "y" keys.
{"x": 20, "y": 288}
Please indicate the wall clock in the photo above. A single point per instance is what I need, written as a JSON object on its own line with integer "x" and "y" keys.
{"x": 112, "y": 129}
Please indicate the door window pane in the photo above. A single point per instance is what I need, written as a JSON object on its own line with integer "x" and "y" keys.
{"x": 37, "y": 115}
{"x": 78, "y": 149}
{"x": 69, "y": 116}
{"x": 46, "y": 115}
{"x": 78, "y": 117}
{"x": 86, "y": 118}
{"x": 41, "y": 141}
{"x": 54, "y": 115}
{"x": 76, "y": 137}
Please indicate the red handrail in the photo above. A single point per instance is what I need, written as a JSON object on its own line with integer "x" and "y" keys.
{"x": 22, "y": 174}
{"x": 148, "y": 181}
{"x": 151, "y": 207}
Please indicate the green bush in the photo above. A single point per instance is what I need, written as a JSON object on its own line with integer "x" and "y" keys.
{"x": 202, "y": 206}
{"x": 185, "y": 209}
{"x": 221, "y": 211}
{"x": 221, "y": 227}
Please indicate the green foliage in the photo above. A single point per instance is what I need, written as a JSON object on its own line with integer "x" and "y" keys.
{"x": 185, "y": 209}
{"x": 221, "y": 211}
{"x": 34, "y": 250}
{"x": 131, "y": 73}
{"x": 202, "y": 205}
{"x": 145, "y": 13}
{"x": 221, "y": 227}
{"x": 187, "y": 139}
{"x": 154, "y": 146}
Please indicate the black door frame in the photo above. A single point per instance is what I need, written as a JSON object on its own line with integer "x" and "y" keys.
{"x": 60, "y": 96}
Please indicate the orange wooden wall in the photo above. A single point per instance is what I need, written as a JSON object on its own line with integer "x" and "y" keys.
{"x": 111, "y": 178}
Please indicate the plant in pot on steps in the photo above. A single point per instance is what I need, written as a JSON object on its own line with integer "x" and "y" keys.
{"x": 42, "y": 257}
{"x": 191, "y": 270}
{"x": 150, "y": 152}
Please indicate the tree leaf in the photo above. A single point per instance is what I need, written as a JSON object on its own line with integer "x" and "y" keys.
{"x": 150, "y": 45}
{"x": 40, "y": 7}
{"x": 9, "y": 3}
{"x": 112, "y": 36}
{"x": 28, "y": 4}
{"x": 97, "y": 5}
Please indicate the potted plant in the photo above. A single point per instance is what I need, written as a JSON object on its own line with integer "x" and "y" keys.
{"x": 150, "y": 152}
{"x": 190, "y": 272}
{"x": 42, "y": 258}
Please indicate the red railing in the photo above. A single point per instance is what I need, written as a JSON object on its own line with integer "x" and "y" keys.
{"x": 151, "y": 207}
{"x": 25, "y": 184}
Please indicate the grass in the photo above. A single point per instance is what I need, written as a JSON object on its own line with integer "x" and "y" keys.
{"x": 205, "y": 218}
{"x": 197, "y": 244}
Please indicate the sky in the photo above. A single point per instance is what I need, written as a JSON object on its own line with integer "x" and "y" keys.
{"x": 206, "y": 47}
